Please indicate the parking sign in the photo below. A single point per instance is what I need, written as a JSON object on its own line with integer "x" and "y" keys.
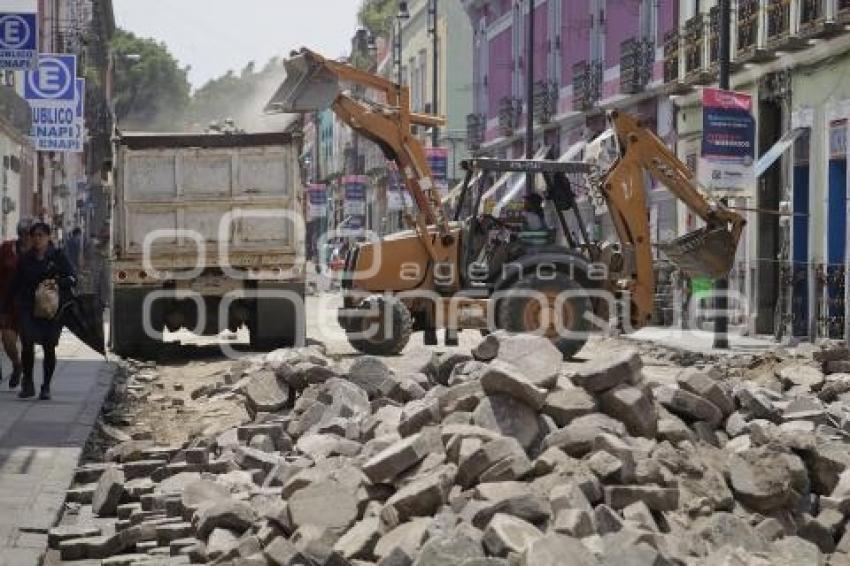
{"x": 60, "y": 126}
{"x": 53, "y": 79}
{"x": 18, "y": 40}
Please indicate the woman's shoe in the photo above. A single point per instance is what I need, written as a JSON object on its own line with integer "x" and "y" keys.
{"x": 15, "y": 378}
{"x": 44, "y": 395}
{"x": 27, "y": 390}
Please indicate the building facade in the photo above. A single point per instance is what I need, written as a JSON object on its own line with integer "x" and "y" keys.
{"x": 589, "y": 56}
{"x": 18, "y": 158}
{"x": 791, "y": 56}
{"x": 66, "y": 181}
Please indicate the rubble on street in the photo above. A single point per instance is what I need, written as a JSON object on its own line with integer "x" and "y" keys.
{"x": 498, "y": 456}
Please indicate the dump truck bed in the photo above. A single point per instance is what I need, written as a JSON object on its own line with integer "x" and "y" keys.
{"x": 177, "y": 192}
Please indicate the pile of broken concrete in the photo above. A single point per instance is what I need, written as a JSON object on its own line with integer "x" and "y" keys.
{"x": 500, "y": 456}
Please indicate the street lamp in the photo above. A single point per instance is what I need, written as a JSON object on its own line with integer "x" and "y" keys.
{"x": 402, "y": 15}
{"x": 432, "y": 29}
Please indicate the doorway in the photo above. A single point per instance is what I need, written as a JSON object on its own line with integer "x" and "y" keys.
{"x": 767, "y": 225}
{"x": 800, "y": 239}
{"x": 836, "y": 215}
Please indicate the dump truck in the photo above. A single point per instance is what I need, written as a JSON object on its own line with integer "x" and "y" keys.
{"x": 207, "y": 236}
{"x": 468, "y": 269}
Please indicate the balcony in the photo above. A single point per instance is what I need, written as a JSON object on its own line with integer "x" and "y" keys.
{"x": 476, "y": 125}
{"x": 671, "y": 56}
{"x": 695, "y": 51}
{"x": 842, "y": 12}
{"x": 587, "y": 84}
{"x": 778, "y": 18}
{"x": 816, "y": 18}
{"x": 780, "y": 29}
{"x": 510, "y": 110}
{"x": 713, "y": 37}
{"x": 545, "y": 101}
{"x": 751, "y": 31}
{"x": 747, "y": 29}
{"x": 636, "y": 59}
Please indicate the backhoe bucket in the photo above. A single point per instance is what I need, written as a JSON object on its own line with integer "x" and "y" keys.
{"x": 309, "y": 87}
{"x": 707, "y": 252}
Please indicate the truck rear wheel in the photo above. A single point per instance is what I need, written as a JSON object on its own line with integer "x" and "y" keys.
{"x": 126, "y": 326}
{"x": 278, "y": 322}
{"x": 372, "y": 335}
{"x": 567, "y": 326}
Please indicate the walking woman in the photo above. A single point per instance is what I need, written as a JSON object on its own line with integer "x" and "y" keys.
{"x": 43, "y": 271}
{"x": 11, "y": 252}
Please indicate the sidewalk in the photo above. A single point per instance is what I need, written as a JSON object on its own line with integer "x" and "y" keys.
{"x": 40, "y": 446}
{"x": 701, "y": 341}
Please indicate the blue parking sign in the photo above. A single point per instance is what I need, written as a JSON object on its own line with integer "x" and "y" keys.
{"x": 53, "y": 79}
{"x": 18, "y": 41}
{"x": 60, "y": 126}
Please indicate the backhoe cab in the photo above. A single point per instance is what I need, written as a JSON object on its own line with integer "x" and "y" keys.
{"x": 474, "y": 270}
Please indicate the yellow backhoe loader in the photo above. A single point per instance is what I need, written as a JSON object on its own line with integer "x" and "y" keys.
{"x": 471, "y": 270}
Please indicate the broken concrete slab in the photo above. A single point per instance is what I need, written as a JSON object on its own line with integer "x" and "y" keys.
{"x": 503, "y": 377}
{"x": 108, "y": 492}
{"x": 565, "y": 405}
{"x": 699, "y": 383}
{"x": 622, "y": 366}
{"x": 506, "y": 534}
{"x": 687, "y": 405}
{"x": 223, "y": 513}
{"x": 506, "y": 415}
{"x": 634, "y": 407}
{"x": 264, "y": 392}
{"x": 400, "y": 456}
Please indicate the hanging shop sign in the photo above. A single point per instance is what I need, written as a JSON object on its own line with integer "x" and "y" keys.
{"x": 19, "y": 37}
{"x": 57, "y": 103}
{"x": 317, "y": 201}
{"x": 438, "y": 162}
{"x": 354, "y": 205}
{"x": 727, "y": 157}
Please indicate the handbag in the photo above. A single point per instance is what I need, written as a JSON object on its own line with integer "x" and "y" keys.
{"x": 46, "y": 299}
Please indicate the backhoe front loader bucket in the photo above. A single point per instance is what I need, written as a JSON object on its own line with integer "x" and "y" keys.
{"x": 707, "y": 252}
{"x": 309, "y": 86}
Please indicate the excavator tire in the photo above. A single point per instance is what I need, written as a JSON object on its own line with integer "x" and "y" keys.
{"x": 522, "y": 312}
{"x": 382, "y": 343}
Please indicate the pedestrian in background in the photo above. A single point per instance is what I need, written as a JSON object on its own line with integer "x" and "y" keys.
{"x": 73, "y": 248}
{"x": 44, "y": 274}
{"x": 11, "y": 252}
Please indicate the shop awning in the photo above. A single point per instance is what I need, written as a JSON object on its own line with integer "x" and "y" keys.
{"x": 780, "y": 147}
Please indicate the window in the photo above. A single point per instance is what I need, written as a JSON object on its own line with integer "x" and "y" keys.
{"x": 413, "y": 82}
{"x": 423, "y": 79}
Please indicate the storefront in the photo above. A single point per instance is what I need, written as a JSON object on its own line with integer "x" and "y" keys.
{"x": 821, "y": 109}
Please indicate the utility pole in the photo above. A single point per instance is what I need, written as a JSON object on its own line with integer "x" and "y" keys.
{"x": 435, "y": 131}
{"x": 721, "y": 286}
{"x": 529, "y": 97}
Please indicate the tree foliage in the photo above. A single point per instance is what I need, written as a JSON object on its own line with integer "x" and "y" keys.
{"x": 151, "y": 90}
{"x": 377, "y": 16}
{"x": 240, "y": 97}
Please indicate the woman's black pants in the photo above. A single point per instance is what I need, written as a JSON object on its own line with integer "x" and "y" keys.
{"x": 28, "y": 361}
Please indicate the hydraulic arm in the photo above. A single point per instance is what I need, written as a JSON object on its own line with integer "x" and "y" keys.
{"x": 709, "y": 251}
{"x": 313, "y": 83}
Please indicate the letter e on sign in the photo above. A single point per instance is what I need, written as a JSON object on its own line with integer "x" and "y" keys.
{"x": 54, "y": 79}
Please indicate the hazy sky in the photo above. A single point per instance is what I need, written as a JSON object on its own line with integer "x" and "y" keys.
{"x": 216, "y": 35}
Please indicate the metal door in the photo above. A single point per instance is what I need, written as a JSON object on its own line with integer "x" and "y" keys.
{"x": 836, "y": 246}
{"x": 800, "y": 259}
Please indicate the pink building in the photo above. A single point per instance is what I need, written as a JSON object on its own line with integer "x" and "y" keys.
{"x": 589, "y": 56}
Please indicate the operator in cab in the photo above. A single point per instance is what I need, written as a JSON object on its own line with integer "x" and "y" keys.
{"x": 533, "y": 216}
